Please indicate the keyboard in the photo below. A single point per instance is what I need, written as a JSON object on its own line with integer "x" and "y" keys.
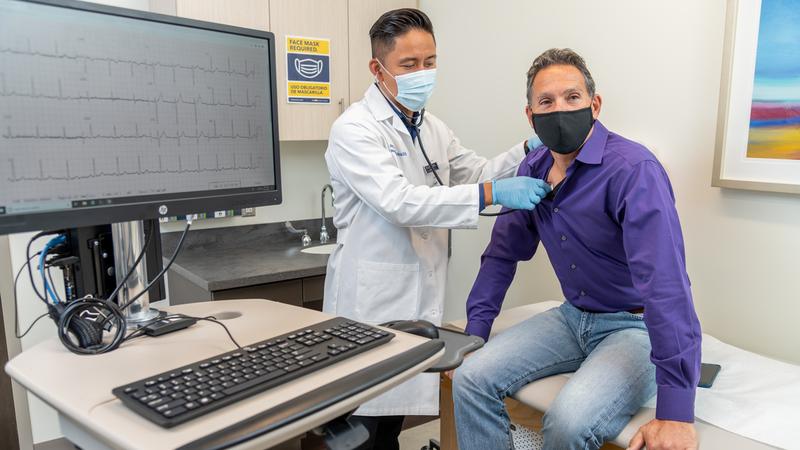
{"x": 187, "y": 392}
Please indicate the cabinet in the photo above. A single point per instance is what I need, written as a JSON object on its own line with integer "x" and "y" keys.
{"x": 304, "y": 292}
{"x": 345, "y": 22}
{"x": 318, "y": 19}
{"x": 241, "y": 13}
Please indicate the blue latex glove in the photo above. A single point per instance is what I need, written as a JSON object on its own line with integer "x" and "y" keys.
{"x": 519, "y": 192}
{"x": 532, "y": 143}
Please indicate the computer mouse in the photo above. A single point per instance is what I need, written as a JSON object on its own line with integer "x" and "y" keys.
{"x": 419, "y": 327}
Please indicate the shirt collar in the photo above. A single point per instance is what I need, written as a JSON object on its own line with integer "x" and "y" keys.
{"x": 380, "y": 108}
{"x": 591, "y": 153}
{"x": 593, "y": 149}
{"x": 377, "y": 103}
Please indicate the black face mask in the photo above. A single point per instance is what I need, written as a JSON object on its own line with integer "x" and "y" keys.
{"x": 564, "y": 131}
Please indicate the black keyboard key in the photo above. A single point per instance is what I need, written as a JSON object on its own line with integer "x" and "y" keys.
{"x": 173, "y": 412}
{"x": 254, "y": 382}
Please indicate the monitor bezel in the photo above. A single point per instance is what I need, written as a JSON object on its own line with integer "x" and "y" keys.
{"x": 155, "y": 209}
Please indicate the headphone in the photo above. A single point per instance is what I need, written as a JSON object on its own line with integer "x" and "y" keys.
{"x": 82, "y": 322}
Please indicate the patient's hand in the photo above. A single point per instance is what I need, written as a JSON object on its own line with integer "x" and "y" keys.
{"x": 451, "y": 373}
{"x": 665, "y": 435}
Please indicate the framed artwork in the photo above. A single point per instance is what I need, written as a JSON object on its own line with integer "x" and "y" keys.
{"x": 758, "y": 123}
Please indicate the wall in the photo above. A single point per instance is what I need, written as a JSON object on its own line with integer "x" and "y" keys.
{"x": 657, "y": 66}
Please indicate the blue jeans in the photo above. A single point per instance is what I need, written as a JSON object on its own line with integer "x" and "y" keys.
{"x": 610, "y": 354}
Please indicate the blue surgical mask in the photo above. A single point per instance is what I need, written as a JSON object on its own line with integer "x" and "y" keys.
{"x": 413, "y": 89}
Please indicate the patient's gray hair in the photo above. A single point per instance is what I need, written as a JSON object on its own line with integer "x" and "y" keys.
{"x": 559, "y": 56}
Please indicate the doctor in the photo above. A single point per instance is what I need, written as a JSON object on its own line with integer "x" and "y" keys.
{"x": 402, "y": 179}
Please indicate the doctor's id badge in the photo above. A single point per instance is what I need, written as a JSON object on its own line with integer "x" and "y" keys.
{"x": 308, "y": 63}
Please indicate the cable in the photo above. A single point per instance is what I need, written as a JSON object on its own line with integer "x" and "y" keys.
{"x": 164, "y": 270}
{"x": 408, "y": 123}
{"x": 28, "y": 255}
{"x": 136, "y": 333}
{"x": 52, "y": 284}
{"x": 20, "y": 336}
{"x": 88, "y": 332}
{"x": 60, "y": 239}
{"x": 214, "y": 320}
{"x": 16, "y": 303}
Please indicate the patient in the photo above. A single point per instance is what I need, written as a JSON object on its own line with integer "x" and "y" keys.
{"x": 613, "y": 236}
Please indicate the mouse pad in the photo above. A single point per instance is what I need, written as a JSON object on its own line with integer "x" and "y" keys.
{"x": 456, "y": 345}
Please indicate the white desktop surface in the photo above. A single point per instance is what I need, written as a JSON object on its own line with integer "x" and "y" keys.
{"x": 79, "y": 386}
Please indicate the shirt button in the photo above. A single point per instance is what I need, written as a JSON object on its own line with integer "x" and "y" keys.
{"x": 583, "y": 294}
{"x": 425, "y": 235}
{"x": 555, "y": 209}
{"x": 430, "y": 274}
{"x": 573, "y": 267}
{"x": 563, "y": 238}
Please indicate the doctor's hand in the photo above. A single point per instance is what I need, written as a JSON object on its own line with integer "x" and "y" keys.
{"x": 532, "y": 143}
{"x": 519, "y": 192}
{"x": 665, "y": 435}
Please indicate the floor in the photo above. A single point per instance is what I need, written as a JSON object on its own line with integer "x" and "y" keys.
{"x": 417, "y": 437}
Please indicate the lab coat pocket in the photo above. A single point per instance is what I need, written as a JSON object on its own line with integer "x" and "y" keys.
{"x": 386, "y": 291}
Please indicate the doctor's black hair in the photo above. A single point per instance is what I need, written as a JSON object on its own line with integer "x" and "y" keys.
{"x": 393, "y": 24}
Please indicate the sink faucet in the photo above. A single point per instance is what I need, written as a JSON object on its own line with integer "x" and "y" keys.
{"x": 306, "y": 239}
{"x": 323, "y": 231}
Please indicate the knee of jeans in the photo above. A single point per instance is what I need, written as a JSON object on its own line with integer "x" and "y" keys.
{"x": 471, "y": 378}
{"x": 567, "y": 428}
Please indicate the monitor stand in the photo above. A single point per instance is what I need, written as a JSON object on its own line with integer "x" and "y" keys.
{"x": 128, "y": 240}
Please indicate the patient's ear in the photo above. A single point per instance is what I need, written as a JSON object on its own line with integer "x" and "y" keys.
{"x": 528, "y": 114}
{"x": 597, "y": 103}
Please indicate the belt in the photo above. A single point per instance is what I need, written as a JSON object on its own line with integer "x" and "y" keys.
{"x": 632, "y": 311}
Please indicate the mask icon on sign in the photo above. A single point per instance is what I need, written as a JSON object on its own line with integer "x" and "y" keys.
{"x": 308, "y": 68}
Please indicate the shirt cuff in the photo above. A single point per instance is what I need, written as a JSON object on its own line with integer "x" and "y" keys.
{"x": 675, "y": 404}
{"x": 478, "y": 328}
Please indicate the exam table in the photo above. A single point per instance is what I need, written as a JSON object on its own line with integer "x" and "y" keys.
{"x": 752, "y": 405}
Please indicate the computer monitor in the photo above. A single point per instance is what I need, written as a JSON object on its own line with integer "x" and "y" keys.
{"x": 111, "y": 115}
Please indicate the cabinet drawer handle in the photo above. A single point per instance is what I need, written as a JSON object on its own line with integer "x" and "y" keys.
{"x": 341, "y": 105}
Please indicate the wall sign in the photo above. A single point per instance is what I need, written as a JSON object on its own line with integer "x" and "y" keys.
{"x": 308, "y": 77}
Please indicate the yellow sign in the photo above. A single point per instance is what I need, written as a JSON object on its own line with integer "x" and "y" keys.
{"x": 308, "y": 45}
{"x": 308, "y": 74}
{"x": 309, "y": 90}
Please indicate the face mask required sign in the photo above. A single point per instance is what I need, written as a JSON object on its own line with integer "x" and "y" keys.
{"x": 308, "y": 77}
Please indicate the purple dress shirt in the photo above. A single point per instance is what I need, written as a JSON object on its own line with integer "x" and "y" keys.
{"x": 613, "y": 236}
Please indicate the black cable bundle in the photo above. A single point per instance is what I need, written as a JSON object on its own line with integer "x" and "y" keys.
{"x": 81, "y": 323}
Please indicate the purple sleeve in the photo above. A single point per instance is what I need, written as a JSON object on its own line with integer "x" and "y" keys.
{"x": 654, "y": 247}
{"x": 514, "y": 238}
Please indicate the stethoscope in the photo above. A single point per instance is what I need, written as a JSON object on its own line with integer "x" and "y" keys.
{"x": 433, "y": 168}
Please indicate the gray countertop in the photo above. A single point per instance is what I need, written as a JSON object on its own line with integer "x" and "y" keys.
{"x": 231, "y": 257}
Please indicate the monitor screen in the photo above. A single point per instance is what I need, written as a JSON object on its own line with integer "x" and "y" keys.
{"x": 109, "y": 115}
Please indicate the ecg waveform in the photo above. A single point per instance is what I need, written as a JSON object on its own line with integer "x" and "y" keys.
{"x": 95, "y": 173}
{"x": 123, "y": 106}
{"x": 247, "y": 73}
{"x": 199, "y": 100}
{"x": 157, "y": 137}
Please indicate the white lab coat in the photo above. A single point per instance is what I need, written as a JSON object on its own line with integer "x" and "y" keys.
{"x": 392, "y": 218}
